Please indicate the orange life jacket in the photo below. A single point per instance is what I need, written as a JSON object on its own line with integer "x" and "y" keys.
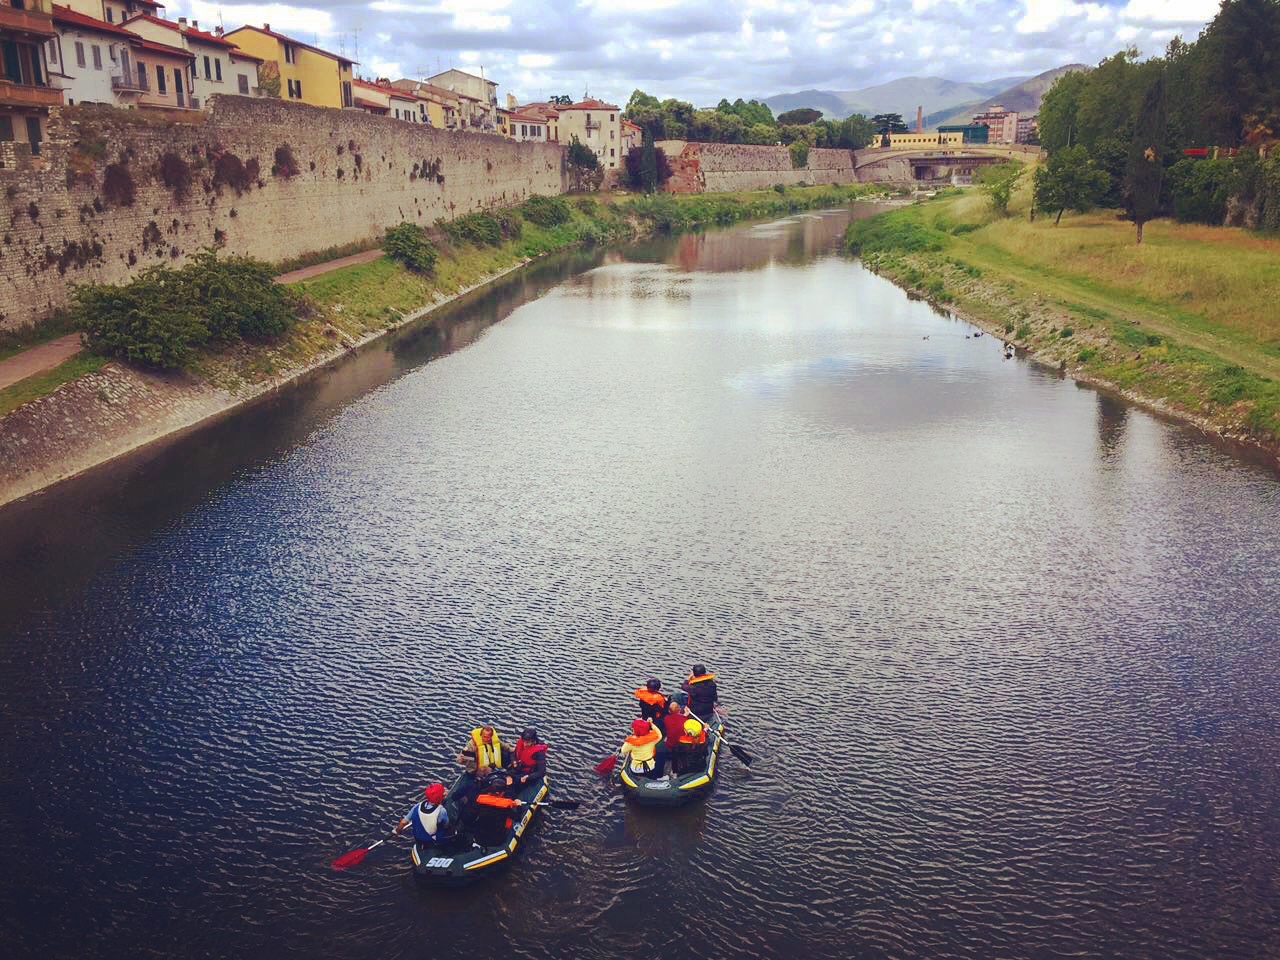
{"x": 645, "y": 695}
{"x": 692, "y": 679}
{"x": 495, "y": 800}
{"x": 641, "y": 748}
{"x": 699, "y": 739}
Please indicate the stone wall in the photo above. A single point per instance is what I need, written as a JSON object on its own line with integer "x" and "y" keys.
{"x": 116, "y": 191}
{"x": 713, "y": 167}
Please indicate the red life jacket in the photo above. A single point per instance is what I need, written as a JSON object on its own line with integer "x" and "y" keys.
{"x": 526, "y": 754}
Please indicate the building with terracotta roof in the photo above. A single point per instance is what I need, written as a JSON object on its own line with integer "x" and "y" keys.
{"x": 632, "y": 135}
{"x": 542, "y": 110}
{"x": 213, "y": 70}
{"x": 26, "y": 94}
{"x": 596, "y": 124}
{"x": 306, "y": 74}
{"x": 163, "y": 72}
{"x": 91, "y": 61}
{"x": 372, "y": 97}
{"x": 525, "y": 126}
{"x": 478, "y": 98}
{"x": 442, "y": 108}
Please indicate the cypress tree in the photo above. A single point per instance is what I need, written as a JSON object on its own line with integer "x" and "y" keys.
{"x": 1144, "y": 178}
{"x": 648, "y": 164}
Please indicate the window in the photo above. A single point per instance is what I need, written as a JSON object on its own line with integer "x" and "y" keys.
{"x": 611, "y": 134}
{"x": 34, "y": 135}
{"x": 142, "y": 76}
{"x": 51, "y": 51}
{"x": 6, "y": 128}
{"x": 289, "y": 54}
{"x": 111, "y": 15}
{"x": 243, "y": 82}
{"x": 611, "y": 118}
{"x": 611, "y": 153}
{"x": 97, "y": 57}
{"x": 160, "y": 87}
{"x": 346, "y": 93}
{"x": 208, "y": 73}
{"x": 297, "y": 85}
{"x": 524, "y": 129}
{"x": 79, "y": 54}
{"x": 217, "y": 69}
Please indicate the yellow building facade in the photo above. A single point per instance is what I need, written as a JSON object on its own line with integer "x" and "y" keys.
{"x": 925, "y": 138}
{"x": 307, "y": 74}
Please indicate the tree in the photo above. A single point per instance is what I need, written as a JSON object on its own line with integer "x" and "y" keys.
{"x": 648, "y": 165}
{"x": 1057, "y": 116}
{"x": 800, "y": 115}
{"x": 562, "y": 100}
{"x": 1068, "y": 181}
{"x": 889, "y": 123}
{"x": 1242, "y": 70}
{"x": 1144, "y": 177}
{"x": 582, "y": 162}
{"x": 997, "y": 182}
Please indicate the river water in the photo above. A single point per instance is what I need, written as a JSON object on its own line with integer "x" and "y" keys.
{"x": 1007, "y": 650}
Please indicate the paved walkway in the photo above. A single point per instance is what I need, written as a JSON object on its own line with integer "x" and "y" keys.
{"x": 38, "y": 359}
{"x": 306, "y": 273}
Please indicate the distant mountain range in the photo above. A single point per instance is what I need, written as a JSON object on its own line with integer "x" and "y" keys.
{"x": 943, "y": 100}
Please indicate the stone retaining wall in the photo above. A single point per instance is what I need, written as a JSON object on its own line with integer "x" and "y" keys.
{"x": 715, "y": 167}
{"x": 115, "y": 191}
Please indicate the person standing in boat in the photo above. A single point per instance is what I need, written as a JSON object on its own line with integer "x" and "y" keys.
{"x": 639, "y": 750}
{"x": 652, "y": 703}
{"x": 703, "y": 695}
{"x": 528, "y": 760}
{"x": 430, "y": 819}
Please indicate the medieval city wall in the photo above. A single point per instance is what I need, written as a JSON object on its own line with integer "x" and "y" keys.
{"x": 714, "y": 167}
{"x": 117, "y": 191}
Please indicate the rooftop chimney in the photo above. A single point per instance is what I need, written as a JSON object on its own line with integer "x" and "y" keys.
{"x": 266, "y": 26}
{"x": 218, "y": 30}
{"x": 182, "y": 21}
{"x": 195, "y": 24}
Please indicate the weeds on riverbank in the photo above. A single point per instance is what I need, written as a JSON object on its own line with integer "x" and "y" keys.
{"x": 1188, "y": 319}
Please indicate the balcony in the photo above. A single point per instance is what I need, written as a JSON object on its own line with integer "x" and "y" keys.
{"x": 126, "y": 83}
{"x": 593, "y": 125}
{"x": 31, "y": 22}
{"x": 26, "y": 95}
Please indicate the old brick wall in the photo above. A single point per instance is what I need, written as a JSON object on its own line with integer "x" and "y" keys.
{"x": 698, "y": 167}
{"x": 66, "y": 217}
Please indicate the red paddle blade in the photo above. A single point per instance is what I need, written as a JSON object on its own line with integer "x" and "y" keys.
{"x": 607, "y": 764}
{"x": 352, "y": 859}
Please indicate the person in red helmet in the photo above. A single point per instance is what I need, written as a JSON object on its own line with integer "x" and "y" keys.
{"x": 430, "y": 819}
{"x": 639, "y": 749}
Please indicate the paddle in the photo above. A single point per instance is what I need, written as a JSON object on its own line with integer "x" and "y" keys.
{"x": 741, "y": 755}
{"x": 356, "y": 857}
{"x": 605, "y": 766}
{"x": 559, "y": 804}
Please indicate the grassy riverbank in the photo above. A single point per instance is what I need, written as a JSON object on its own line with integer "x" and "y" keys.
{"x": 1186, "y": 322}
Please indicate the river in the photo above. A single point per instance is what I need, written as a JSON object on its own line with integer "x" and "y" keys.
{"x": 1006, "y": 649}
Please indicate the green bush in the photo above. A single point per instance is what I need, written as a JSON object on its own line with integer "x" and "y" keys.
{"x": 1067, "y": 333}
{"x": 549, "y": 211}
{"x": 161, "y": 317}
{"x": 1087, "y": 354}
{"x": 408, "y": 244}
{"x": 1201, "y": 189}
{"x": 1024, "y": 331}
{"x": 799, "y": 154}
{"x": 482, "y": 228}
{"x": 779, "y": 188}
{"x": 886, "y": 234}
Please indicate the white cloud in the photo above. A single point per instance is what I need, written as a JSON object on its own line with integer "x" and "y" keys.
{"x": 1170, "y": 11}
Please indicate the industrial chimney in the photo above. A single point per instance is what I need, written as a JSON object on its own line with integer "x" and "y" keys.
{"x": 920, "y": 119}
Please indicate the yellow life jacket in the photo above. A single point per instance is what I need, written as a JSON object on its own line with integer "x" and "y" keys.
{"x": 487, "y": 754}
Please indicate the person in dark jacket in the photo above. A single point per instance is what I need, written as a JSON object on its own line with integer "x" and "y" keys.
{"x": 703, "y": 695}
{"x": 528, "y": 760}
{"x": 652, "y": 703}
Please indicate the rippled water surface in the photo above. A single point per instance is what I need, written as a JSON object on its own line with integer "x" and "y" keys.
{"x": 1007, "y": 651}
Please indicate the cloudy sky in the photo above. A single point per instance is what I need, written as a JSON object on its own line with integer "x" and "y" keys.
{"x": 700, "y": 51}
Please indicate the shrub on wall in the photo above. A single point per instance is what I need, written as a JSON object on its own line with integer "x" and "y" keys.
{"x": 408, "y": 244}
{"x": 117, "y": 185}
{"x": 175, "y": 173}
{"x": 163, "y": 316}
{"x": 285, "y": 165}
{"x": 230, "y": 171}
{"x": 799, "y": 154}
{"x": 547, "y": 211}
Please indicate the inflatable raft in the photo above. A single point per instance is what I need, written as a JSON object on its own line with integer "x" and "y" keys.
{"x": 480, "y": 847}
{"x": 680, "y": 787}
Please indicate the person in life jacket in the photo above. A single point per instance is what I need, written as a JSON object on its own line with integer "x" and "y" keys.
{"x": 672, "y": 728}
{"x": 691, "y": 744}
{"x": 484, "y": 752}
{"x": 430, "y": 819}
{"x": 652, "y": 703}
{"x": 528, "y": 760}
{"x": 703, "y": 695}
{"x": 639, "y": 750}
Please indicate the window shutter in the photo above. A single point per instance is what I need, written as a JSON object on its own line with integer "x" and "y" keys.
{"x": 97, "y": 57}
{"x": 79, "y": 54}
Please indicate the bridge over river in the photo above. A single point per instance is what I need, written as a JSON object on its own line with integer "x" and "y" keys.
{"x": 890, "y": 165}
